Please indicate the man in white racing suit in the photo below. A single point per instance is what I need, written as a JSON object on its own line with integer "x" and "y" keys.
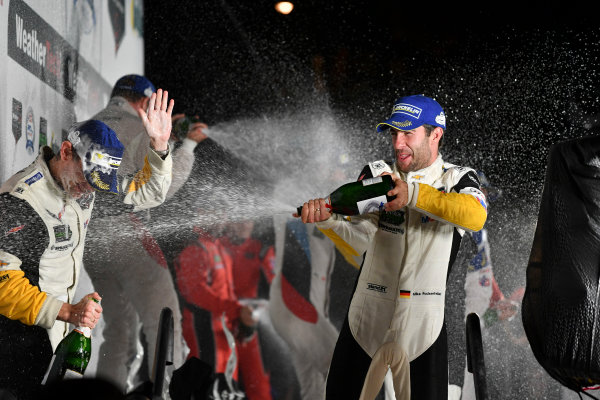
{"x": 45, "y": 210}
{"x": 133, "y": 276}
{"x": 408, "y": 247}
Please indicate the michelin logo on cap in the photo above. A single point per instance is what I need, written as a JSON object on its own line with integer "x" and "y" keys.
{"x": 410, "y": 112}
{"x": 407, "y": 109}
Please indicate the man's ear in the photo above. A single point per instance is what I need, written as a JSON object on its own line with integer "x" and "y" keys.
{"x": 66, "y": 151}
{"x": 437, "y": 134}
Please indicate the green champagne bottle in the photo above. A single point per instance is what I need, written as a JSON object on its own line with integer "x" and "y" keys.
{"x": 362, "y": 197}
{"x": 182, "y": 126}
{"x": 71, "y": 356}
{"x": 77, "y": 347}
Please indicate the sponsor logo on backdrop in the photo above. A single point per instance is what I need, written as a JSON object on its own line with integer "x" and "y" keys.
{"x": 29, "y": 131}
{"x": 86, "y": 14}
{"x": 138, "y": 16}
{"x": 17, "y": 119}
{"x": 116, "y": 9}
{"x": 43, "y": 132}
{"x": 38, "y": 48}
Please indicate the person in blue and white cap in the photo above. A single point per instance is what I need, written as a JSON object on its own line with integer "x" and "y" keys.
{"x": 133, "y": 281}
{"x": 406, "y": 251}
{"x": 44, "y": 214}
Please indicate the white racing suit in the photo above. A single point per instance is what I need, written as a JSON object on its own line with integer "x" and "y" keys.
{"x": 401, "y": 288}
{"x": 123, "y": 265}
{"x": 41, "y": 254}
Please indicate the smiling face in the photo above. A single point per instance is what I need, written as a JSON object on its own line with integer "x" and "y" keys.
{"x": 415, "y": 149}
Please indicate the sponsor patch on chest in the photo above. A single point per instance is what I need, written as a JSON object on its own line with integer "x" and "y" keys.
{"x": 62, "y": 233}
{"x": 376, "y": 288}
{"x": 34, "y": 179}
{"x": 392, "y": 221}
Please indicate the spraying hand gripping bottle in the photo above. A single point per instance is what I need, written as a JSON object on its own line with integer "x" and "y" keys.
{"x": 182, "y": 126}
{"x": 72, "y": 355}
{"x": 362, "y": 197}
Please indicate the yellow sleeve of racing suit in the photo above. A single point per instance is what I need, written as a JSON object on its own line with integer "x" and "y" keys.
{"x": 149, "y": 186}
{"x": 349, "y": 253}
{"x": 351, "y": 235}
{"x": 19, "y": 299}
{"x": 462, "y": 210}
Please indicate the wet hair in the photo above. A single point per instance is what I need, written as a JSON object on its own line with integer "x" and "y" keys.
{"x": 127, "y": 94}
{"x": 429, "y": 128}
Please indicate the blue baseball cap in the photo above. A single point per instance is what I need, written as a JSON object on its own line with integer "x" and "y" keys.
{"x": 100, "y": 151}
{"x": 410, "y": 112}
{"x": 136, "y": 84}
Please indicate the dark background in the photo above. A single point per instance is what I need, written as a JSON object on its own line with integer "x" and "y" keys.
{"x": 514, "y": 77}
{"x": 503, "y": 71}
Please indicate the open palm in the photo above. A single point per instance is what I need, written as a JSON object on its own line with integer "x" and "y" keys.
{"x": 157, "y": 120}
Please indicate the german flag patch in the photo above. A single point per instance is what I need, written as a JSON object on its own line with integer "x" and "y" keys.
{"x": 405, "y": 294}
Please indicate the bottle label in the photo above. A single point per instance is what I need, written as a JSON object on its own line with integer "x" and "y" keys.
{"x": 372, "y": 181}
{"x": 70, "y": 374}
{"x": 373, "y": 204}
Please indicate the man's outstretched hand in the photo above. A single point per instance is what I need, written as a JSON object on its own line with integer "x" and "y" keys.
{"x": 157, "y": 120}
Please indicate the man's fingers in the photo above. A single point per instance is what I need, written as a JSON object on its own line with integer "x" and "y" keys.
{"x": 159, "y": 97}
{"x": 198, "y": 125}
{"x": 311, "y": 209}
{"x": 165, "y": 101}
{"x": 152, "y": 102}
{"x": 323, "y": 211}
{"x": 305, "y": 212}
{"x": 171, "y": 105}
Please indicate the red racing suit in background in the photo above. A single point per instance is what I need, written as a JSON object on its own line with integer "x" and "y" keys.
{"x": 204, "y": 281}
{"x": 249, "y": 258}
{"x": 204, "y": 278}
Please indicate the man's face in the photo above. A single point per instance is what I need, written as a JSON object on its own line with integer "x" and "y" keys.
{"x": 413, "y": 149}
{"x": 72, "y": 179}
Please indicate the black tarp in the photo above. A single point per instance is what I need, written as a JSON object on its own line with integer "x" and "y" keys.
{"x": 561, "y": 306}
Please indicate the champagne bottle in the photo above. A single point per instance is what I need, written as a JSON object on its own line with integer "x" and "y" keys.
{"x": 71, "y": 356}
{"x": 360, "y": 197}
{"x": 182, "y": 126}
